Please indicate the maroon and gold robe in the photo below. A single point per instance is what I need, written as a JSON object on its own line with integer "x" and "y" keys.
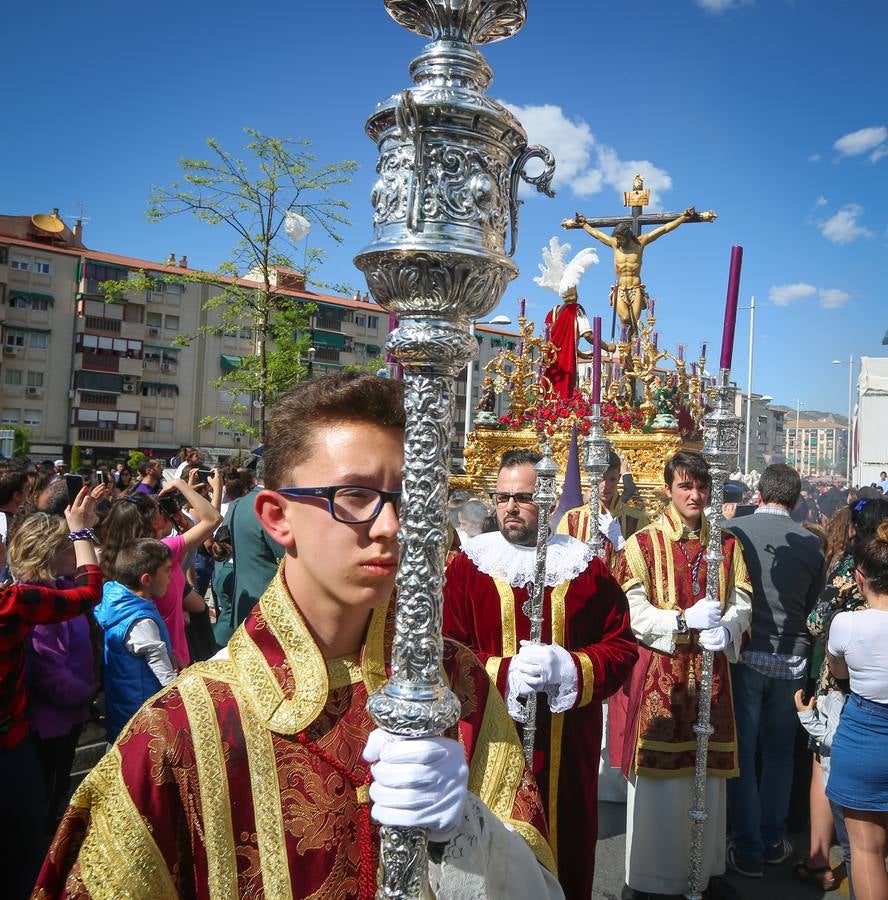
{"x": 576, "y": 524}
{"x": 222, "y": 785}
{"x": 589, "y": 617}
{"x": 659, "y": 739}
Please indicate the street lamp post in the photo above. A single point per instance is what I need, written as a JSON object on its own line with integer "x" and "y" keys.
{"x": 841, "y": 362}
{"x": 496, "y": 320}
{"x": 798, "y": 454}
{"x": 751, "y": 309}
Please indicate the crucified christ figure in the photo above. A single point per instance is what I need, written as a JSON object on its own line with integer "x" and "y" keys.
{"x": 628, "y": 296}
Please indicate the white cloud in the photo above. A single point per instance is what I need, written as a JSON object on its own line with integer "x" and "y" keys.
{"x": 833, "y": 298}
{"x": 843, "y": 227}
{"x": 581, "y": 163}
{"x": 720, "y": 6}
{"x": 856, "y": 143}
{"x": 821, "y": 200}
{"x": 815, "y": 157}
{"x": 878, "y": 153}
{"x": 784, "y": 294}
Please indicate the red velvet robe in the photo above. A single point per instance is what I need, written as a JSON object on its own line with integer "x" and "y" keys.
{"x": 564, "y": 333}
{"x": 590, "y": 617}
{"x": 210, "y": 790}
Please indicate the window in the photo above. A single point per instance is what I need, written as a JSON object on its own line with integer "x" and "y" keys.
{"x": 43, "y": 266}
{"x": 148, "y": 423}
{"x": 12, "y": 376}
{"x": 35, "y": 379}
{"x": 360, "y": 320}
{"x": 373, "y": 321}
{"x": 165, "y": 426}
{"x": 39, "y": 305}
{"x": 33, "y": 417}
{"x": 132, "y": 312}
{"x": 153, "y": 319}
{"x": 171, "y": 323}
{"x": 15, "y": 338}
{"x": 18, "y": 303}
{"x": 4, "y": 255}
{"x": 39, "y": 341}
{"x": 246, "y": 334}
{"x": 9, "y": 417}
{"x": 20, "y": 263}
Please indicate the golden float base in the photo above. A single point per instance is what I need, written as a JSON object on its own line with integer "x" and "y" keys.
{"x": 646, "y": 454}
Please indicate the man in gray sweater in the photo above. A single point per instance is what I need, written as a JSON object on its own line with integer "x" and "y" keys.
{"x": 787, "y": 570}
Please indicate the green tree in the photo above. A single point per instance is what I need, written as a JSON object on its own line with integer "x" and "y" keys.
{"x": 21, "y": 441}
{"x": 258, "y": 196}
{"x": 75, "y": 458}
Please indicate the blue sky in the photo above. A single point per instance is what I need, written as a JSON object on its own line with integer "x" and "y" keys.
{"x": 771, "y": 112}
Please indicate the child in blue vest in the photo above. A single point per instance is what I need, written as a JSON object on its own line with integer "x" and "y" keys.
{"x": 138, "y": 650}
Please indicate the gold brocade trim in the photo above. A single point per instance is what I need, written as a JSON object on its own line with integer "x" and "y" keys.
{"x": 537, "y": 842}
{"x": 685, "y": 772}
{"x": 657, "y": 567}
{"x": 119, "y": 857}
{"x": 670, "y": 575}
{"x": 588, "y": 677}
{"x": 507, "y": 615}
{"x": 666, "y": 747}
{"x": 557, "y": 722}
{"x": 492, "y": 667}
{"x": 212, "y": 777}
{"x": 555, "y": 735}
{"x": 266, "y": 796}
{"x": 373, "y": 654}
{"x": 498, "y": 760}
{"x": 634, "y": 557}
{"x": 738, "y": 569}
{"x": 344, "y": 670}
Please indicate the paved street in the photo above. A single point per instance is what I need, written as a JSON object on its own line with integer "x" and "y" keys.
{"x": 779, "y": 882}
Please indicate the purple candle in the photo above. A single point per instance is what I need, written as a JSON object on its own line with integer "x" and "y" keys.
{"x": 656, "y": 339}
{"x": 522, "y": 306}
{"x": 547, "y": 332}
{"x": 521, "y": 348}
{"x": 703, "y": 350}
{"x": 596, "y": 359}
{"x": 618, "y": 372}
{"x": 637, "y": 346}
{"x": 731, "y": 307}
{"x": 694, "y": 369}
{"x": 681, "y": 352}
{"x": 651, "y": 305}
{"x": 624, "y": 333}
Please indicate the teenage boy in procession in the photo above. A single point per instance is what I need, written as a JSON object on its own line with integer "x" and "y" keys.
{"x": 249, "y": 775}
{"x": 664, "y": 573}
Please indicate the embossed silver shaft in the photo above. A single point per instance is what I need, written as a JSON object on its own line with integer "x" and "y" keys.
{"x": 544, "y": 498}
{"x": 721, "y": 438}
{"x": 596, "y": 460}
{"x": 445, "y": 202}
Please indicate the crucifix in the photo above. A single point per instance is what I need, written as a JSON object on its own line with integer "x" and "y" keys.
{"x": 628, "y": 296}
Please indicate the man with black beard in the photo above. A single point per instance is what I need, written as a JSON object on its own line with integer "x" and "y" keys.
{"x": 586, "y": 653}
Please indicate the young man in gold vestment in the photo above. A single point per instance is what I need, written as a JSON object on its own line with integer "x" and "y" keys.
{"x": 260, "y": 773}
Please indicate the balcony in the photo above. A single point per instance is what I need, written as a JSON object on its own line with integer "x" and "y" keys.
{"x": 328, "y": 323}
{"x": 95, "y": 400}
{"x": 101, "y": 325}
{"x": 103, "y": 362}
{"x": 327, "y": 354}
{"x": 96, "y": 435}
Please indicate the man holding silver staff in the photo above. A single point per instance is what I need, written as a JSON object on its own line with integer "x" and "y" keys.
{"x": 587, "y": 652}
{"x": 618, "y": 521}
{"x": 664, "y": 573}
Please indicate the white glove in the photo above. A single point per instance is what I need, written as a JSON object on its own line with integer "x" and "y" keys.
{"x": 715, "y": 639}
{"x": 519, "y": 685}
{"x": 417, "y": 782}
{"x": 542, "y": 666}
{"x": 703, "y": 614}
{"x": 610, "y": 528}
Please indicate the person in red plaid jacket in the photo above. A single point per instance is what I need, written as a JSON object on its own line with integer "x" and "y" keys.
{"x": 21, "y": 784}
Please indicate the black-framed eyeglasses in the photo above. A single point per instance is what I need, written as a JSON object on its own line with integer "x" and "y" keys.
{"x": 500, "y": 498}
{"x": 351, "y": 504}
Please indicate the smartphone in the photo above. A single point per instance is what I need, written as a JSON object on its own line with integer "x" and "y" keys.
{"x": 75, "y": 486}
{"x": 101, "y": 477}
{"x": 203, "y": 476}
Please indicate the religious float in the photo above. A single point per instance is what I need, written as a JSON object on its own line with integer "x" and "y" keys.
{"x": 651, "y": 399}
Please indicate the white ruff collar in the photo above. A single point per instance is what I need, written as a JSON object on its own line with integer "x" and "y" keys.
{"x": 493, "y": 555}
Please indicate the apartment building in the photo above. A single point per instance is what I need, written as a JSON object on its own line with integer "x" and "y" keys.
{"x": 767, "y": 439}
{"x": 819, "y": 447}
{"x": 110, "y": 377}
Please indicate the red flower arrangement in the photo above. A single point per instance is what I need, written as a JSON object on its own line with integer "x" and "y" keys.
{"x": 558, "y": 414}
